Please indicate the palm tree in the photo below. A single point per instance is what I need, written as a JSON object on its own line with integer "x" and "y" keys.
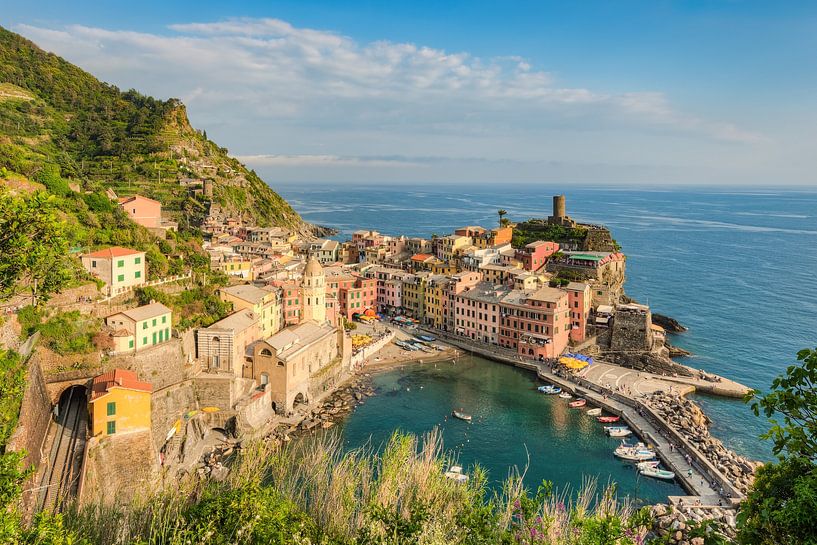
{"x": 502, "y": 212}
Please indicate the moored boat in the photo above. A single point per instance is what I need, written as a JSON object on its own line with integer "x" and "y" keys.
{"x": 462, "y": 416}
{"x": 550, "y": 389}
{"x": 650, "y": 463}
{"x": 455, "y": 473}
{"x": 620, "y": 432}
{"x": 657, "y": 473}
{"x": 594, "y": 412}
{"x": 577, "y": 404}
{"x": 638, "y": 452}
{"x": 608, "y": 419}
{"x": 565, "y": 395}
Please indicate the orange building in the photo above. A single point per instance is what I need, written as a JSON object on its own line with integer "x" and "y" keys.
{"x": 144, "y": 211}
{"x": 119, "y": 403}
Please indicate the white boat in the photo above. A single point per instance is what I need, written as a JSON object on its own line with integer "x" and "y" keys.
{"x": 651, "y": 463}
{"x": 550, "y": 389}
{"x": 462, "y": 416}
{"x": 657, "y": 473}
{"x": 565, "y": 395}
{"x": 594, "y": 412}
{"x": 620, "y": 432}
{"x": 455, "y": 473}
{"x": 638, "y": 452}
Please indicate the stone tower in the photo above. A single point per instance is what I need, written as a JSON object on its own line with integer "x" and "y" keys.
{"x": 313, "y": 292}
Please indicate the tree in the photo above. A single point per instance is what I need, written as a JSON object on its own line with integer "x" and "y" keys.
{"x": 781, "y": 504}
{"x": 794, "y": 396}
{"x": 502, "y": 213}
{"x": 33, "y": 246}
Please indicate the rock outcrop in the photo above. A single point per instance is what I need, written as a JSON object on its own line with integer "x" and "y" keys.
{"x": 691, "y": 422}
{"x": 691, "y": 524}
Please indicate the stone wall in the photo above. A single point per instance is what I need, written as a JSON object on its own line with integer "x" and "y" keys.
{"x": 169, "y": 405}
{"x": 161, "y": 365}
{"x": 631, "y": 331}
{"x": 35, "y": 417}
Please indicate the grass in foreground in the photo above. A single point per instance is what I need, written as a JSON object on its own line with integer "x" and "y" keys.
{"x": 314, "y": 493}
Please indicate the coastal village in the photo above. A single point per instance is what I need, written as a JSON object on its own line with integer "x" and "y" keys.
{"x": 308, "y": 318}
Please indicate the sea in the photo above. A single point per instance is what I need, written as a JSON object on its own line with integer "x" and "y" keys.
{"x": 737, "y": 267}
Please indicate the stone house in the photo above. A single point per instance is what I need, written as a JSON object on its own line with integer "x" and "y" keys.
{"x": 221, "y": 347}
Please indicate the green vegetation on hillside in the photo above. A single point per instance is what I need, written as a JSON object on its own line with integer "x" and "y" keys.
{"x": 60, "y": 125}
{"x": 533, "y": 230}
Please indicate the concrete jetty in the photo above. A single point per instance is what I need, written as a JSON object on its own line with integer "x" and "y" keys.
{"x": 697, "y": 475}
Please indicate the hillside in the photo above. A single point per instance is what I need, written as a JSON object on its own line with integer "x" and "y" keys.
{"x": 57, "y": 119}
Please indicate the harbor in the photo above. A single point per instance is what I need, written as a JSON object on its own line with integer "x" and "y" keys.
{"x": 704, "y": 483}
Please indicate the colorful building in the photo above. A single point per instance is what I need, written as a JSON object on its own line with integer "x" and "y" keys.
{"x": 579, "y": 299}
{"x": 119, "y": 268}
{"x": 144, "y": 211}
{"x": 414, "y": 294}
{"x": 356, "y": 294}
{"x": 477, "y": 312}
{"x": 535, "y": 323}
{"x": 264, "y": 302}
{"x": 119, "y": 404}
{"x": 138, "y": 328}
{"x": 534, "y": 255}
{"x": 447, "y": 246}
{"x": 494, "y": 237}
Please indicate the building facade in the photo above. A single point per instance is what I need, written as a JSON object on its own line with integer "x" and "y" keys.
{"x": 119, "y": 403}
{"x": 140, "y": 328}
{"x": 120, "y": 269}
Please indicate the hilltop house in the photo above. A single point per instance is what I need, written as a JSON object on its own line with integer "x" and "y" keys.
{"x": 119, "y": 268}
{"x": 146, "y": 212}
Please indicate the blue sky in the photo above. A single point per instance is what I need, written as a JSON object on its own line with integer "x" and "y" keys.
{"x": 717, "y": 92}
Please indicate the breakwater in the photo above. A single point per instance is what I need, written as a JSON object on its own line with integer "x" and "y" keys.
{"x": 699, "y": 474}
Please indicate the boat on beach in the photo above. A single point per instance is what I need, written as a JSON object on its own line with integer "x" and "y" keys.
{"x": 577, "y": 404}
{"x": 550, "y": 389}
{"x": 608, "y": 419}
{"x": 565, "y": 395}
{"x": 462, "y": 416}
{"x": 594, "y": 412}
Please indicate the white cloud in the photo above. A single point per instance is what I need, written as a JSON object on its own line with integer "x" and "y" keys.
{"x": 286, "y": 96}
{"x": 324, "y": 161}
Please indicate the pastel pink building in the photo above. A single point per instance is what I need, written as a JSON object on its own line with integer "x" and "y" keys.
{"x": 477, "y": 312}
{"x": 144, "y": 211}
{"x": 535, "y": 323}
{"x": 458, "y": 283}
{"x": 534, "y": 255}
{"x": 579, "y": 298}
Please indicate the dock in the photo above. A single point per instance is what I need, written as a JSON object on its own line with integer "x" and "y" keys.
{"x": 702, "y": 481}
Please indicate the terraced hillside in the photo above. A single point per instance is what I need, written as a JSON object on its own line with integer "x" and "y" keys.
{"x": 58, "y": 120}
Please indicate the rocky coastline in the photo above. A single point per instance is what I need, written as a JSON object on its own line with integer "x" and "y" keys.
{"x": 691, "y": 422}
{"x": 688, "y": 524}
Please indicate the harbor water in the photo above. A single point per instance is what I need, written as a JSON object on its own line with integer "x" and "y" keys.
{"x": 736, "y": 267}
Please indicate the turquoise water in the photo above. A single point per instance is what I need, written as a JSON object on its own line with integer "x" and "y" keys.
{"x": 513, "y": 425}
{"x": 739, "y": 268}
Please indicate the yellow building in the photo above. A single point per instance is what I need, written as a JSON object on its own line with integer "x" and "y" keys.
{"x": 236, "y": 266}
{"x": 141, "y": 327}
{"x": 414, "y": 293}
{"x": 436, "y": 301}
{"x": 265, "y": 303}
{"x": 448, "y": 246}
{"x": 119, "y": 404}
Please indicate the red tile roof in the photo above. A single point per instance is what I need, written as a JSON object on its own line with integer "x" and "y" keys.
{"x": 113, "y": 251}
{"x": 421, "y": 257}
{"x": 124, "y": 200}
{"x": 117, "y": 378}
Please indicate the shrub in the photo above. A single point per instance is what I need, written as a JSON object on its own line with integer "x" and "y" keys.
{"x": 69, "y": 333}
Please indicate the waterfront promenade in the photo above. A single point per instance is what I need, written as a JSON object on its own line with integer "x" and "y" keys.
{"x": 704, "y": 483}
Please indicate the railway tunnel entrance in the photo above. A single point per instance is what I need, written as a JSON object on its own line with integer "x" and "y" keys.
{"x": 67, "y": 437}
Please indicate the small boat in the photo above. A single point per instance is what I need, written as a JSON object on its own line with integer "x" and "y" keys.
{"x": 455, "y": 474}
{"x": 650, "y": 463}
{"x": 657, "y": 473}
{"x": 608, "y": 419}
{"x": 577, "y": 404}
{"x": 462, "y": 416}
{"x": 550, "y": 389}
{"x": 594, "y": 412}
{"x": 619, "y": 432}
{"x": 638, "y": 452}
{"x": 565, "y": 395}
